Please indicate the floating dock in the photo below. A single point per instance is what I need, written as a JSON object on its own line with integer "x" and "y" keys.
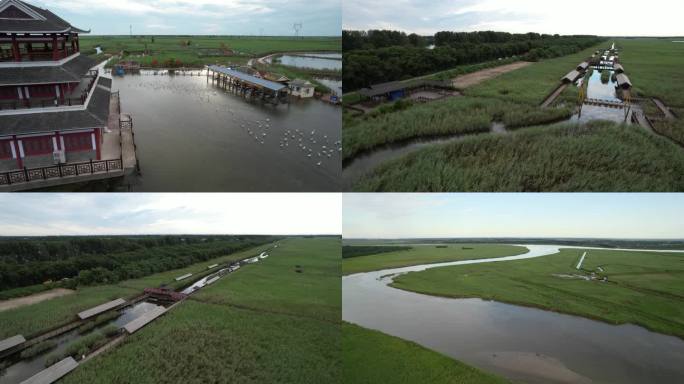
{"x": 14, "y": 341}
{"x": 53, "y": 373}
{"x": 143, "y": 320}
{"x": 212, "y": 266}
{"x": 101, "y": 308}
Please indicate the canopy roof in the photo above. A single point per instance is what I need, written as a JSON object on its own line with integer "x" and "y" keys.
{"x": 20, "y": 17}
{"x": 70, "y": 72}
{"x": 272, "y": 85}
{"x": 95, "y": 116}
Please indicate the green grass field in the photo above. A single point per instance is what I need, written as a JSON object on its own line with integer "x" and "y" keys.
{"x": 373, "y": 357}
{"x": 454, "y": 116}
{"x": 196, "y": 51}
{"x": 643, "y": 288}
{"x": 37, "y": 318}
{"x": 655, "y": 68}
{"x": 531, "y": 84}
{"x": 264, "y": 324}
{"x": 599, "y": 156}
{"x": 427, "y": 254}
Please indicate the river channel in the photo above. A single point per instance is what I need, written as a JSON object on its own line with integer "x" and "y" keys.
{"x": 523, "y": 344}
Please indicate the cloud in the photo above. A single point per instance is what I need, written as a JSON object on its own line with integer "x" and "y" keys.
{"x": 659, "y": 18}
{"x": 77, "y": 214}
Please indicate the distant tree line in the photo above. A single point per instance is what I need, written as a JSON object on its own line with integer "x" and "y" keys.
{"x": 349, "y": 251}
{"x": 95, "y": 260}
{"x": 379, "y": 56}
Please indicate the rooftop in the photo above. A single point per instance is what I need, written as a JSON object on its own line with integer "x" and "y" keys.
{"x": 53, "y": 373}
{"x": 623, "y": 80}
{"x": 101, "y": 308}
{"x": 94, "y": 116}
{"x": 248, "y": 78}
{"x": 21, "y": 17}
{"x": 70, "y": 72}
{"x": 11, "y": 342}
{"x": 383, "y": 88}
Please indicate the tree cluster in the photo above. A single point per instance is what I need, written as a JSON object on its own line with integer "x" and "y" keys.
{"x": 369, "y": 59}
{"x": 95, "y": 260}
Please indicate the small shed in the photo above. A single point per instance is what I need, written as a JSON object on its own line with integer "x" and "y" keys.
{"x": 623, "y": 81}
{"x": 8, "y": 345}
{"x": 101, "y": 308}
{"x": 53, "y": 373}
{"x": 618, "y": 68}
{"x": 571, "y": 77}
{"x": 179, "y": 278}
{"x": 143, "y": 320}
{"x": 583, "y": 66}
{"x": 301, "y": 88}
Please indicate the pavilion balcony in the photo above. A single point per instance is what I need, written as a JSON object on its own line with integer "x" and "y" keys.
{"x": 76, "y": 97}
{"x": 36, "y": 55}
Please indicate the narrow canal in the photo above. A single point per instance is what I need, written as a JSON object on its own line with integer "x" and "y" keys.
{"x": 20, "y": 368}
{"x": 523, "y": 344}
{"x": 193, "y": 136}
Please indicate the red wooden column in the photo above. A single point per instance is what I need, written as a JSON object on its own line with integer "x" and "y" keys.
{"x": 98, "y": 143}
{"x": 15, "y": 48}
{"x": 54, "y": 47}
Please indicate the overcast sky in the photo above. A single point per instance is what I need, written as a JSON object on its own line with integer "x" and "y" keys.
{"x": 630, "y": 216}
{"x": 200, "y": 17}
{"x": 607, "y": 18}
{"x": 119, "y": 214}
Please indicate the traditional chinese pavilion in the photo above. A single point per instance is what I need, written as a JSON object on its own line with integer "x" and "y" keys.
{"x": 54, "y": 108}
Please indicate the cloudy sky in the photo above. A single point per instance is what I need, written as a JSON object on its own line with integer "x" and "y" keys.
{"x": 635, "y": 216}
{"x": 608, "y": 18}
{"x": 118, "y": 214}
{"x": 200, "y": 17}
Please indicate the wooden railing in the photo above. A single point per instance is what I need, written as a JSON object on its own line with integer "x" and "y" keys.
{"x": 59, "y": 171}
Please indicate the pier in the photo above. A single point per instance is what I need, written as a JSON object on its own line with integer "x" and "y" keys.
{"x": 248, "y": 86}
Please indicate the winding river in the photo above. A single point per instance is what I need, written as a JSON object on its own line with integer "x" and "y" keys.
{"x": 523, "y": 344}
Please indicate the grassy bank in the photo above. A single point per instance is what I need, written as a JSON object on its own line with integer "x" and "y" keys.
{"x": 200, "y": 50}
{"x": 655, "y": 68}
{"x": 599, "y": 156}
{"x": 264, "y": 324}
{"x": 374, "y": 357}
{"x": 453, "y": 116}
{"x": 643, "y": 287}
{"x": 37, "y": 318}
{"x": 427, "y": 254}
{"x": 530, "y": 85}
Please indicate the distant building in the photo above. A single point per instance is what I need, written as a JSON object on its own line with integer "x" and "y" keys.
{"x": 54, "y": 107}
{"x": 301, "y": 88}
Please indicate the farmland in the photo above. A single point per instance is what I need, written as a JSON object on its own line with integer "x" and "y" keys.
{"x": 197, "y": 51}
{"x": 266, "y": 323}
{"x": 642, "y": 288}
{"x": 374, "y": 357}
{"x": 598, "y": 156}
{"x": 35, "y": 319}
{"x": 426, "y": 254}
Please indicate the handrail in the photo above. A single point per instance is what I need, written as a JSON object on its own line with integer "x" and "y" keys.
{"x": 59, "y": 171}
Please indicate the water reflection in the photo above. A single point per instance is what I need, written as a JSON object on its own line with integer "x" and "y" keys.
{"x": 526, "y": 344}
{"x": 192, "y": 136}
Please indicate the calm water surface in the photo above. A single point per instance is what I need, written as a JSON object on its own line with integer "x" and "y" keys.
{"x": 192, "y": 136}
{"x": 319, "y": 61}
{"x": 524, "y": 344}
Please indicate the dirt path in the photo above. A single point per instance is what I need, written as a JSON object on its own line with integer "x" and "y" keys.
{"x": 474, "y": 78}
{"x": 33, "y": 299}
